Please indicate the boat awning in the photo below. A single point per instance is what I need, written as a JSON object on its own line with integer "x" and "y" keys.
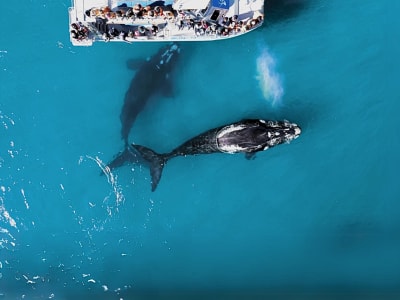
{"x": 221, "y": 3}
{"x": 190, "y": 4}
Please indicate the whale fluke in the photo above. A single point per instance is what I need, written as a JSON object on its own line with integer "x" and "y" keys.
{"x": 156, "y": 162}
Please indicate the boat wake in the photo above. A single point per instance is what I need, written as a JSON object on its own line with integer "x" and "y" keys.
{"x": 269, "y": 80}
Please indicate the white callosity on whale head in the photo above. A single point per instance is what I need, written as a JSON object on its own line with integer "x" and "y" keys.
{"x": 281, "y": 132}
{"x": 297, "y": 130}
{"x": 174, "y": 47}
{"x": 167, "y": 56}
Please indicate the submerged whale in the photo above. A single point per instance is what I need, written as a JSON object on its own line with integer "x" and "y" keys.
{"x": 152, "y": 77}
{"x": 247, "y": 136}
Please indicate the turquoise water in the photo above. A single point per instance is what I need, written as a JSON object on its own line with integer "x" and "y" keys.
{"x": 320, "y": 215}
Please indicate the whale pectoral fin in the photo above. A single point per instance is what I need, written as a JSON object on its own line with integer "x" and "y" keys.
{"x": 119, "y": 160}
{"x": 250, "y": 155}
{"x": 135, "y": 63}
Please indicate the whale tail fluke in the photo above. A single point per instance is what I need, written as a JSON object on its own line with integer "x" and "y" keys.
{"x": 156, "y": 162}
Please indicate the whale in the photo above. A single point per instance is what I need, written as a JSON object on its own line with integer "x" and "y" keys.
{"x": 128, "y": 155}
{"x": 247, "y": 136}
{"x": 152, "y": 77}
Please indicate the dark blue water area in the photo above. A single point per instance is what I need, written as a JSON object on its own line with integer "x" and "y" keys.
{"x": 316, "y": 217}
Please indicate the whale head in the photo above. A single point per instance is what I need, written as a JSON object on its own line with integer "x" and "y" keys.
{"x": 256, "y": 135}
{"x": 168, "y": 56}
{"x": 274, "y": 133}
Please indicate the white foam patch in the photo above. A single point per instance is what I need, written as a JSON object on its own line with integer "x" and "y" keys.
{"x": 5, "y": 216}
{"x": 6, "y": 120}
{"x": 25, "y": 200}
{"x": 269, "y": 80}
{"x": 111, "y": 178}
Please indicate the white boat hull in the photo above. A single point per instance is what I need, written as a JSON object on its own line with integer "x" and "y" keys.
{"x": 148, "y": 21}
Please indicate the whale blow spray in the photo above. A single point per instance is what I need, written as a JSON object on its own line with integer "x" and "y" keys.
{"x": 269, "y": 80}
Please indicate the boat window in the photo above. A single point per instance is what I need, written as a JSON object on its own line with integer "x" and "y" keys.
{"x": 215, "y": 15}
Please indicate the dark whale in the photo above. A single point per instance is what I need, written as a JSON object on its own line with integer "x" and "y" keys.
{"x": 247, "y": 136}
{"x": 128, "y": 155}
{"x": 152, "y": 77}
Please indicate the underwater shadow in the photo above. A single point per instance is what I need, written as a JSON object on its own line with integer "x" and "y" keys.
{"x": 282, "y": 10}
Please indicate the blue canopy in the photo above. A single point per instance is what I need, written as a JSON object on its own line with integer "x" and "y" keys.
{"x": 221, "y": 3}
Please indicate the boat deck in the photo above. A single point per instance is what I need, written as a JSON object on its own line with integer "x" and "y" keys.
{"x": 107, "y": 20}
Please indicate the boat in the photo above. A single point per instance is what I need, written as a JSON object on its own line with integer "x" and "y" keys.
{"x": 161, "y": 21}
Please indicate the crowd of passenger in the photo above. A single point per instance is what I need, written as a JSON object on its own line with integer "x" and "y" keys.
{"x": 110, "y": 31}
{"x": 131, "y": 13}
{"x": 182, "y": 20}
{"x": 226, "y": 27}
{"x": 79, "y": 31}
{"x": 132, "y": 33}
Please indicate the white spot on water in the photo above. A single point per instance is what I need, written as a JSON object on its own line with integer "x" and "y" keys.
{"x": 7, "y": 216}
{"x": 10, "y": 153}
{"x": 25, "y": 201}
{"x": 5, "y": 120}
{"x": 28, "y": 280}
